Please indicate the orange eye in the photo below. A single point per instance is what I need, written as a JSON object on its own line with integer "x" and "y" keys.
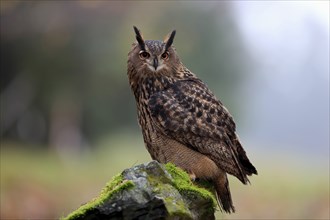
{"x": 144, "y": 55}
{"x": 165, "y": 55}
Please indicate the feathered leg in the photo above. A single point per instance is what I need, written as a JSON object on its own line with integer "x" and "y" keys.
{"x": 223, "y": 193}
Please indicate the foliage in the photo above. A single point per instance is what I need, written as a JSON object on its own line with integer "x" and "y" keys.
{"x": 70, "y": 73}
{"x": 183, "y": 183}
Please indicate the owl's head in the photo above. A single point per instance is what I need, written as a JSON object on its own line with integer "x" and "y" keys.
{"x": 153, "y": 56}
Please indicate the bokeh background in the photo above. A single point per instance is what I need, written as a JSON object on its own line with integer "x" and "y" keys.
{"x": 68, "y": 118}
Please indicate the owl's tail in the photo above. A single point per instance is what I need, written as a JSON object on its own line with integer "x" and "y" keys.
{"x": 223, "y": 193}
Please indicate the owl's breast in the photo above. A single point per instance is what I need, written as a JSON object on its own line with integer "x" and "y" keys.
{"x": 153, "y": 139}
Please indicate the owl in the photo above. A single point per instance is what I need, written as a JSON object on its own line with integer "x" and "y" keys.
{"x": 182, "y": 121}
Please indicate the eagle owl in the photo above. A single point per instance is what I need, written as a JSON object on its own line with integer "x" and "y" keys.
{"x": 182, "y": 121}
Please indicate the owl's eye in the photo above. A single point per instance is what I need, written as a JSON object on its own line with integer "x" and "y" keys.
{"x": 144, "y": 55}
{"x": 165, "y": 55}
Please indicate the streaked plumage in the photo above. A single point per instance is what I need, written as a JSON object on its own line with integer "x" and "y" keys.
{"x": 181, "y": 120}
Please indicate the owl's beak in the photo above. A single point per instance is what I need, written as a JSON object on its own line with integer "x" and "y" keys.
{"x": 155, "y": 64}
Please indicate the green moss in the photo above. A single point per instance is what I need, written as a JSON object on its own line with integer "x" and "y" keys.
{"x": 183, "y": 184}
{"x": 162, "y": 185}
{"x": 177, "y": 208}
{"x": 114, "y": 186}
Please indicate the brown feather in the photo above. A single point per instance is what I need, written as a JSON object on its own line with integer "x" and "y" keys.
{"x": 182, "y": 121}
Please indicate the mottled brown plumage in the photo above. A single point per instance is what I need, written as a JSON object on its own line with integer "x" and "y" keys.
{"x": 182, "y": 121}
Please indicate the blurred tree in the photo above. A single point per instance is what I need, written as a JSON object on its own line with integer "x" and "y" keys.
{"x": 70, "y": 61}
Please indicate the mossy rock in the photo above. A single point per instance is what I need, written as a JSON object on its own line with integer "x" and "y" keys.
{"x": 149, "y": 191}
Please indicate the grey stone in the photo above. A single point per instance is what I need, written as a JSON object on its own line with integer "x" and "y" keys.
{"x": 153, "y": 192}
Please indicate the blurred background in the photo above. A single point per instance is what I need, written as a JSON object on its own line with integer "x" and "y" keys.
{"x": 68, "y": 118}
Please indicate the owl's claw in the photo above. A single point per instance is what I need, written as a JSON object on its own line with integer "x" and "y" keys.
{"x": 192, "y": 176}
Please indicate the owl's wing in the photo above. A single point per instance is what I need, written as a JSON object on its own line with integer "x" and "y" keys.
{"x": 189, "y": 113}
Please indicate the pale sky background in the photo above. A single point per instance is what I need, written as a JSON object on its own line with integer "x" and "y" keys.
{"x": 289, "y": 45}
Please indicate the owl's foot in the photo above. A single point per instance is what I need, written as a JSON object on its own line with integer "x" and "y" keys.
{"x": 192, "y": 176}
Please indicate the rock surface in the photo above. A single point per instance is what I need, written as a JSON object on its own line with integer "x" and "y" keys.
{"x": 150, "y": 191}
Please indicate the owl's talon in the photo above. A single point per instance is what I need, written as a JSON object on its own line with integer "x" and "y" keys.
{"x": 192, "y": 176}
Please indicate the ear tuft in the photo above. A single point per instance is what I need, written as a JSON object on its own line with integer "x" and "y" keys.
{"x": 139, "y": 38}
{"x": 169, "y": 39}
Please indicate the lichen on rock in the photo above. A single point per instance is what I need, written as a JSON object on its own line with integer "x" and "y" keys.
{"x": 149, "y": 191}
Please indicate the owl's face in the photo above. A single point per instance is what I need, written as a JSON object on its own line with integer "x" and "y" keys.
{"x": 153, "y": 56}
